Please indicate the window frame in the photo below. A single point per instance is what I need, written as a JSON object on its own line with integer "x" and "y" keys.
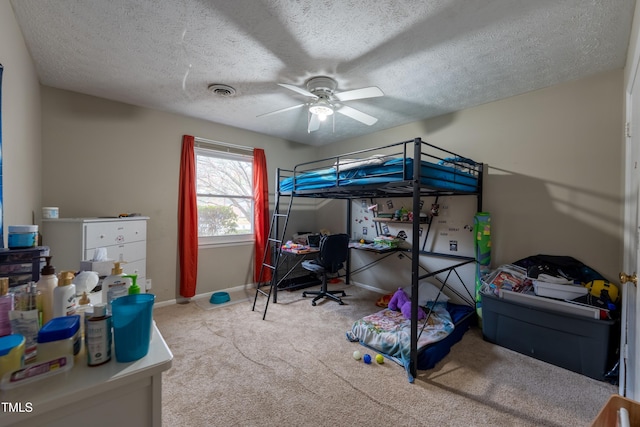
{"x": 222, "y": 151}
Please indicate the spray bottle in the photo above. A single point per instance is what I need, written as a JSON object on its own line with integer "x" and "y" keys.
{"x": 114, "y": 285}
{"x": 64, "y": 296}
{"x": 46, "y": 285}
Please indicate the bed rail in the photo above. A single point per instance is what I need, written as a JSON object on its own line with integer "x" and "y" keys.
{"x": 385, "y": 171}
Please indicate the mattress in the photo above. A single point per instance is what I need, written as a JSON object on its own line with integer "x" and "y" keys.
{"x": 388, "y": 332}
{"x": 441, "y": 176}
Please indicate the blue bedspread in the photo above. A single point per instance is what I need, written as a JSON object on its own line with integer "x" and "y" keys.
{"x": 431, "y": 174}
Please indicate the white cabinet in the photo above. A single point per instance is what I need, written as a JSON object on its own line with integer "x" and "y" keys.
{"x": 113, "y": 394}
{"x": 71, "y": 240}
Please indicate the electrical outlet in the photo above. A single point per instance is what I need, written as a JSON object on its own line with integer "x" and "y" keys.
{"x": 148, "y": 284}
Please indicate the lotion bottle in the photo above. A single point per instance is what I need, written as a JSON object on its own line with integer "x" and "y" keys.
{"x": 98, "y": 336}
{"x": 84, "y": 309}
{"x": 64, "y": 296}
{"x": 115, "y": 285}
{"x": 46, "y": 285}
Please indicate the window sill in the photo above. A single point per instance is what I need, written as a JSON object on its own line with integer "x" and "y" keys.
{"x": 211, "y": 245}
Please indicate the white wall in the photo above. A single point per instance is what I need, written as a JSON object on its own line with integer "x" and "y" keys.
{"x": 553, "y": 185}
{"x": 103, "y": 158}
{"x": 21, "y": 171}
{"x": 554, "y": 180}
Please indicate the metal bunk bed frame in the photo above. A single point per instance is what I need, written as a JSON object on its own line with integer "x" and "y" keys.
{"x": 402, "y": 188}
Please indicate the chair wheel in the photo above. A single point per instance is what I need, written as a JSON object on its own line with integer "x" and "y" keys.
{"x": 341, "y": 302}
{"x": 304, "y": 294}
{"x": 313, "y": 303}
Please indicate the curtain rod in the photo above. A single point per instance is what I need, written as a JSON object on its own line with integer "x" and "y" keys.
{"x": 222, "y": 144}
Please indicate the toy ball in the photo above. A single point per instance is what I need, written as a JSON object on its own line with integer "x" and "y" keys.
{"x": 603, "y": 289}
{"x": 367, "y": 359}
{"x": 379, "y": 358}
{"x": 357, "y": 355}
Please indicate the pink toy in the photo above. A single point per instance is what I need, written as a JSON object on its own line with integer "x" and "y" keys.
{"x": 400, "y": 301}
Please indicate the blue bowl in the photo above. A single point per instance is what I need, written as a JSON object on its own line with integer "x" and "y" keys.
{"x": 219, "y": 298}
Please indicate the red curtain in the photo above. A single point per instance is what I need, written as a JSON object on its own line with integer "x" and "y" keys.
{"x": 188, "y": 220}
{"x": 260, "y": 214}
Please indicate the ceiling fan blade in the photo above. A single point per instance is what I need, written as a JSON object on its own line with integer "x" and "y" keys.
{"x": 357, "y": 115}
{"x": 365, "y": 92}
{"x": 314, "y": 123}
{"x": 282, "y": 110}
{"x": 300, "y": 90}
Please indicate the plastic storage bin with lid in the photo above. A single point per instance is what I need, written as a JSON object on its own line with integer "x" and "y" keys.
{"x": 59, "y": 337}
{"x": 23, "y": 236}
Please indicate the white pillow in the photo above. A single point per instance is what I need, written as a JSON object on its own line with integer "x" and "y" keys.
{"x": 427, "y": 292}
{"x": 348, "y": 164}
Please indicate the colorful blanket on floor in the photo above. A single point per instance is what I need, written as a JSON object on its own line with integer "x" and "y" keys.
{"x": 389, "y": 332}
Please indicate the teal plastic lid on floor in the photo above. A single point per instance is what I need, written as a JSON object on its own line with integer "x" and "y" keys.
{"x": 219, "y": 297}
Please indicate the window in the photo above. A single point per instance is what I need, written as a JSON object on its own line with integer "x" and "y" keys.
{"x": 225, "y": 194}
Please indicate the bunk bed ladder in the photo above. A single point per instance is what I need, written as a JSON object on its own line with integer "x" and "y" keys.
{"x": 277, "y": 232}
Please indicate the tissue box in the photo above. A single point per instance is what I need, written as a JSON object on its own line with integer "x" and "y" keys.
{"x": 103, "y": 268}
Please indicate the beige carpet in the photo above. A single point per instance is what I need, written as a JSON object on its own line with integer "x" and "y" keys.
{"x": 296, "y": 368}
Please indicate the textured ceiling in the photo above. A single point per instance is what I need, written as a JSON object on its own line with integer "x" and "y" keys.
{"x": 428, "y": 57}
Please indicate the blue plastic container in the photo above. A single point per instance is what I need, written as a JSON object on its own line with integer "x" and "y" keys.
{"x": 219, "y": 298}
{"x": 22, "y": 236}
{"x": 132, "y": 319}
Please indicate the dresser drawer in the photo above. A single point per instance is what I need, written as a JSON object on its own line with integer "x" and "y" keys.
{"x": 130, "y": 252}
{"x": 101, "y": 234}
{"x": 139, "y": 268}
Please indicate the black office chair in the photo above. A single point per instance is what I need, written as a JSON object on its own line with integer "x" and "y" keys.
{"x": 333, "y": 253}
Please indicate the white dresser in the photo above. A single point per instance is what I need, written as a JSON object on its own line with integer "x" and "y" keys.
{"x": 71, "y": 240}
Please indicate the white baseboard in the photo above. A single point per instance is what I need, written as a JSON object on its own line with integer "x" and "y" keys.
{"x": 250, "y": 286}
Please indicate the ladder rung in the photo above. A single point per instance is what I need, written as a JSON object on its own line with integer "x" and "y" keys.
{"x": 273, "y": 267}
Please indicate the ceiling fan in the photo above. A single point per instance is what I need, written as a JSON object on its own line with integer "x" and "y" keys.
{"x": 324, "y": 101}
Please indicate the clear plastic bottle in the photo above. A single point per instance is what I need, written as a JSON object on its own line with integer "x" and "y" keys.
{"x": 114, "y": 285}
{"x": 84, "y": 309}
{"x": 46, "y": 285}
{"x": 6, "y": 305}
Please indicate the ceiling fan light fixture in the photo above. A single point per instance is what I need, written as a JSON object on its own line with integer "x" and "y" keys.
{"x": 322, "y": 109}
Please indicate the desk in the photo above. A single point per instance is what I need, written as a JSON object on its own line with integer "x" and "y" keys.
{"x": 114, "y": 394}
{"x": 373, "y": 247}
{"x": 299, "y": 254}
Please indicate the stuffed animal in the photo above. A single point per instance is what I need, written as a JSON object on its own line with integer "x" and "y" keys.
{"x": 400, "y": 301}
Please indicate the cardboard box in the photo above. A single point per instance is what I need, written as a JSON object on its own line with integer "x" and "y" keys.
{"x": 608, "y": 415}
{"x": 103, "y": 268}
